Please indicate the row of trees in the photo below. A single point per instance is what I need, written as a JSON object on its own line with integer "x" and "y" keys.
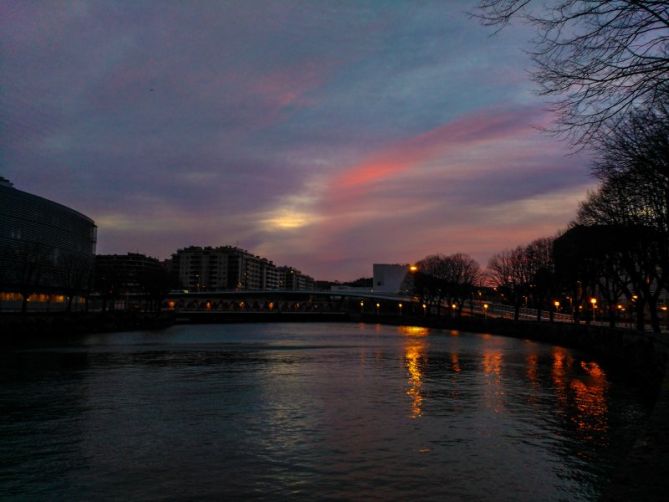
{"x": 33, "y": 267}
{"x": 605, "y": 65}
{"x": 617, "y": 248}
{"x": 451, "y": 279}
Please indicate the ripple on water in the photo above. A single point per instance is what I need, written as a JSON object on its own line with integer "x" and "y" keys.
{"x": 309, "y": 410}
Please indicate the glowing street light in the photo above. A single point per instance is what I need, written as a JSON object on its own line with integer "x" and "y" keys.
{"x": 413, "y": 268}
{"x": 485, "y": 310}
{"x": 593, "y": 301}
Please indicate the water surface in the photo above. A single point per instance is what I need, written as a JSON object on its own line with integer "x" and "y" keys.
{"x": 309, "y": 411}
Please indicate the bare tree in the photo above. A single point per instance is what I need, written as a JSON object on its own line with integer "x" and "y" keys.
{"x": 31, "y": 266}
{"x": 601, "y": 59}
{"x": 451, "y": 278}
{"x": 630, "y": 205}
{"x": 523, "y": 273}
{"x": 589, "y": 262}
{"x": 74, "y": 276}
{"x": 539, "y": 258}
{"x": 430, "y": 280}
{"x": 509, "y": 273}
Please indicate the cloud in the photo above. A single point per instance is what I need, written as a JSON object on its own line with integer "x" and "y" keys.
{"x": 322, "y": 135}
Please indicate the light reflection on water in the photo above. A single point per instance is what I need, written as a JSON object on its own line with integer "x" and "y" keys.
{"x": 309, "y": 410}
{"x": 415, "y": 357}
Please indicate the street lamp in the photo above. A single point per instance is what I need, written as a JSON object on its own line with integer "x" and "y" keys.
{"x": 593, "y": 301}
{"x": 485, "y": 310}
{"x": 400, "y": 307}
{"x": 413, "y": 268}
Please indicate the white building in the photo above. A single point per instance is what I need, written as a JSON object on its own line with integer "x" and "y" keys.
{"x": 390, "y": 278}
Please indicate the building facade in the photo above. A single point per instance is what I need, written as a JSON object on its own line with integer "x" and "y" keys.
{"x": 391, "y": 278}
{"x": 127, "y": 273}
{"x": 44, "y": 246}
{"x": 294, "y": 280}
{"x": 223, "y": 268}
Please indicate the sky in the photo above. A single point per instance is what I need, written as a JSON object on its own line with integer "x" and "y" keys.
{"x": 325, "y": 135}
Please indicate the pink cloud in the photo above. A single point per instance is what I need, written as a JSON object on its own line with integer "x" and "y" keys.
{"x": 461, "y": 134}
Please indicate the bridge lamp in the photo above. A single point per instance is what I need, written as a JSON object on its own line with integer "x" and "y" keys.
{"x": 557, "y": 304}
{"x": 593, "y": 301}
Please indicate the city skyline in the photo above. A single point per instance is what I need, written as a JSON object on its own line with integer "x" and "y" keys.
{"x": 327, "y": 136}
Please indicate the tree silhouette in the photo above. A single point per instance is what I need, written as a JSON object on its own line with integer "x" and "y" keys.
{"x": 600, "y": 59}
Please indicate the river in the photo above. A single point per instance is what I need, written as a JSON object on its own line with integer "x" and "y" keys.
{"x": 309, "y": 411}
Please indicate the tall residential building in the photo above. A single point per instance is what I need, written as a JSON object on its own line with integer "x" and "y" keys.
{"x": 292, "y": 279}
{"x": 224, "y": 267}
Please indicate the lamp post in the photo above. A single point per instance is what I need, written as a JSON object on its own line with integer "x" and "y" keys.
{"x": 485, "y": 310}
{"x": 556, "y": 304}
{"x": 593, "y": 301}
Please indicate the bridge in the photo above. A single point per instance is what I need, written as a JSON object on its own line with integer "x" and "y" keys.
{"x": 289, "y": 301}
{"x": 338, "y": 301}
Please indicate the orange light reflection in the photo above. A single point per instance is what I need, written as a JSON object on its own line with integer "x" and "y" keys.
{"x": 414, "y": 358}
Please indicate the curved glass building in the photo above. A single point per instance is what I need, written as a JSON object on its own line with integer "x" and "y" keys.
{"x": 44, "y": 246}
